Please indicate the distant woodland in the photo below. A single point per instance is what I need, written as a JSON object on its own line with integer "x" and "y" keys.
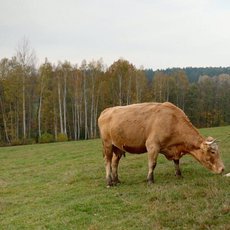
{"x": 58, "y": 102}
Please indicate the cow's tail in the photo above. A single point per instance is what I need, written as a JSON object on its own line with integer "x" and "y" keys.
{"x": 115, "y": 150}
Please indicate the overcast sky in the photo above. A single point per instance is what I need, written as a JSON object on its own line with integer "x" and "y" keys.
{"x": 149, "y": 33}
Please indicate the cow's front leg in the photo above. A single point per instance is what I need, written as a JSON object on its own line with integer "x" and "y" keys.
{"x": 177, "y": 168}
{"x": 152, "y": 161}
{"x": 108, "y": 154}
{"x": 115, "y": 161}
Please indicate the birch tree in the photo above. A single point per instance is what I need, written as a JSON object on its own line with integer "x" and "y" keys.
{"x": 26, "y": 58}
{"x": 45, "y": 73}
{"x": 66, "y": 71}
{"x": 121, "y": 73}
{"x": 95, "y": 74}
{"x": 140, "y": 85}
{"x": 4, "y": 72}
{"x": 83, "y": 69}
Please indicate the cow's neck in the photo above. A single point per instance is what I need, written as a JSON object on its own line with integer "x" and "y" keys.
{"x": 193, "y": 146}
{"x": 192, "y": 139}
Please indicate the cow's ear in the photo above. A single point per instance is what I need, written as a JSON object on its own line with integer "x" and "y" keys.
{"x": 211, "y": 143}
{"x": 214, "y": 147}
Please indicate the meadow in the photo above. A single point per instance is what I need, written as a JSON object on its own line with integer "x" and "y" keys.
{"x": 62, "y": 186}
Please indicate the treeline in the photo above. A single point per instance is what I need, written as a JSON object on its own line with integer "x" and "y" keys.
{"x": 58, "y": 102}
{"x": 192, "y": 73}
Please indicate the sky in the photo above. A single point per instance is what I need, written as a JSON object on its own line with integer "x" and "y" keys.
{"x": 153, "y": 34}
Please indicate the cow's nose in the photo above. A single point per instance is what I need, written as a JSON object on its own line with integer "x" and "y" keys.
{"x": 221, "y": 170}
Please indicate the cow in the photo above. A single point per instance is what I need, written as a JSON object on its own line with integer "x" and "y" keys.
{"x": 153, "y": 128}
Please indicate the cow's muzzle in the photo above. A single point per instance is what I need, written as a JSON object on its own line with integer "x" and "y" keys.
{"x": 219, "y": 170}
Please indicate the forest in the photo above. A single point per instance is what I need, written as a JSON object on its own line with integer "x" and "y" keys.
{"x": 59, "y": 102}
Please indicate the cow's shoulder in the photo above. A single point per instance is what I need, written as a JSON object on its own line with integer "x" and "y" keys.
{"x": 167, "y": 106}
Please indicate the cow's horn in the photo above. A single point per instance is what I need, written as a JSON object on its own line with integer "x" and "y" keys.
{"x": 210, "y": 142}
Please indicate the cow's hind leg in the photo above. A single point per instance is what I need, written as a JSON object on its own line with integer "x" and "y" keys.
{"x": 115, "y": 162}
{"x": 177, "y": 168}
{"x": 152, "y": 161}
{"x": 108, "y": 154}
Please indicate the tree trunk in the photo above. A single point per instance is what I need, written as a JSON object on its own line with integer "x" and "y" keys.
{"x": 78, "y": 122}
{"x": 39, "y": 116}
{"x": 137, "y": 85}
{"x": 129, "y": 90}
{"x": 55, "y": 123}
{"x": 24, "y": 107}
{"x": 40, "y": 107}
{"x": 96, "y": 111}
{"x": 64, "y": 105}
{"x": 74, "y": 114}
{"x": 92, "y": 107}
{"x": 60, "y": 106}
{"x": 120, "y": 92}
{"x": 4, "y": 122}
{"x": 17, "y": 120}
{"x": 86, "y": 107}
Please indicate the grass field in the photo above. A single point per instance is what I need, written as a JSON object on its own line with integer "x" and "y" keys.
{"x": 62, "y": 186}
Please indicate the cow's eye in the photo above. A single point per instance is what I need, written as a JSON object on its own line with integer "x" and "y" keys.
{"x": 213, "y": 151}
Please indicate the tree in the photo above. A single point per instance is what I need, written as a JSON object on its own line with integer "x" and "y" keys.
{"x": 76, "y": 97}
{"x": 83, "y": 68}
{"x": 66, "y": 71}
{"x": 161, "y": 85}
{"x": 224, "y": 98}
{"x": 140, "y": 86}
{"x": 121, "y": 75}
{"x": 207, "y": 89}
{"x": 45, "y": 73}
{"x": 179, "y": 83}
{"x": 194, "y": 102}
{"x": 4, "y": 68}
{"x": 95, "y": 74}
{"x": 10, "y": 94}
{"x": 26, "y": 58}
{"x": 64, "y": 101}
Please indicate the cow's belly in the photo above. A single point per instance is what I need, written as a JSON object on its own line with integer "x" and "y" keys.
{"x": 135, "y": 149}
{"x": 130, "y": 145}
{"x": 128, "y": 136}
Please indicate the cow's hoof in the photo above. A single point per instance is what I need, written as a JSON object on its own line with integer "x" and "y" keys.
{"x": 109, "y": 183}
{"x": 178, "y": 176}
{"x": 150, "y": 182}
{"x": 116, "y": 182}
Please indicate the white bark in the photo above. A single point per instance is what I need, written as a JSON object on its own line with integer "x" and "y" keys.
{"x": 60, "y": 106}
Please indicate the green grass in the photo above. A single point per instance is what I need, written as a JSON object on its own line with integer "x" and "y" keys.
{"x": 62, "y": 186}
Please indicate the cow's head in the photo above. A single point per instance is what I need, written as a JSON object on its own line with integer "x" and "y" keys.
{"x": 209, "y": 155}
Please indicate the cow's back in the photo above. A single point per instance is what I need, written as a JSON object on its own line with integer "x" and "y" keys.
{"x": 128, "y": 127}
{"x": 117, "y": 116}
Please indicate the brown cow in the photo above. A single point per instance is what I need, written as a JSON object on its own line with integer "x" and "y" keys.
{"x": 154, "y": 128}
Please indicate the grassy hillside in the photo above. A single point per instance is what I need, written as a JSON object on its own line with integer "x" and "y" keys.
{"x": 62, "y": 186}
